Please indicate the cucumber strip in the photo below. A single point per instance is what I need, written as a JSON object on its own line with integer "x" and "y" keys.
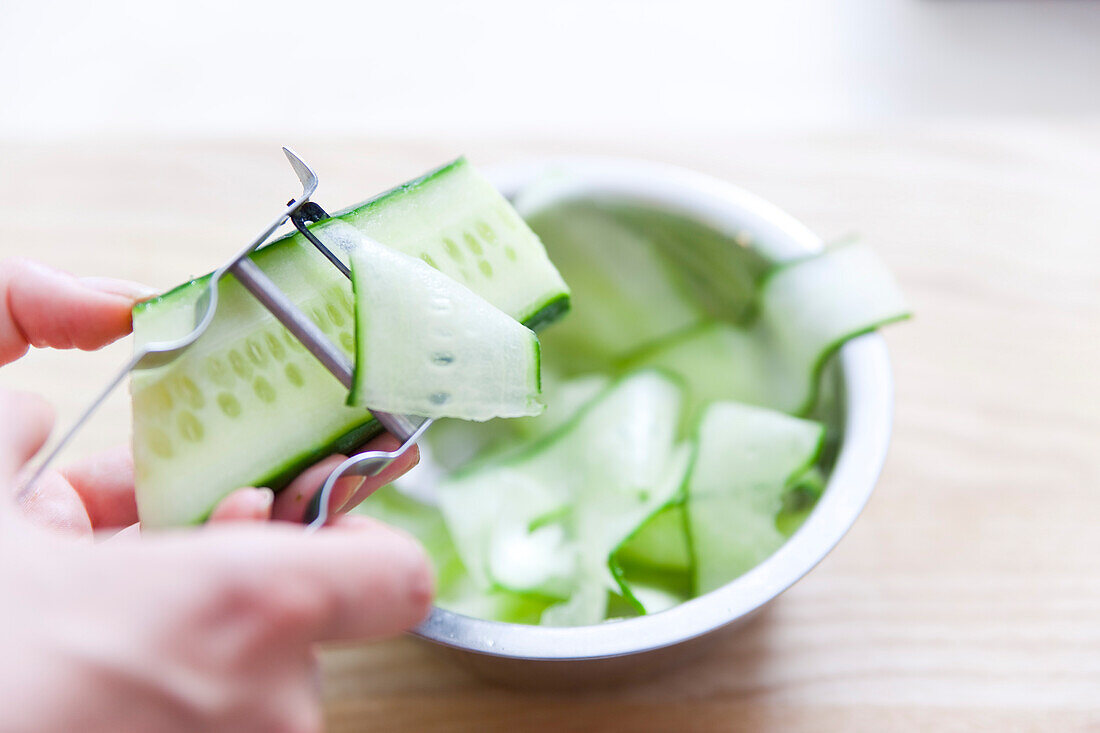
{"x": 452, "y": 444}
{"x": 429, "y": 346}
{"x": 564, "y": 399}
{"x": 623, "y": 293}
{"x": 247, "y": 406}
{"x": 807, "y": 310}
{"x": 800, "y": 499}
{"x": 661, "y": 543}
{"x": 652, "y": 590}
{"x": 747, "y": 456}
{"x": 721, "y": 272}
{"x": 548, "y": 519}
{"x": 455, "y": 220}
{"x": 455, "y": 590}
{"x": 656, "y": 598}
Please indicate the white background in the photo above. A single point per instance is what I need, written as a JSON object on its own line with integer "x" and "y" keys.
{"x": 514, "y": 68}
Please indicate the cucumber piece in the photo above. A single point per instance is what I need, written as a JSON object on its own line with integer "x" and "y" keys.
{"x": 547, "y": 520}
{"x": 429, "y": 346}
{"x": 652, "y": 590}
{"x": 454, "y": 589}
{"x": 452, "y": 444}
{"x": 564, "y": 398}
{"x": 747, "y": 457}
{"x": 661, "y": 543}
{"x": 800, "y": 499}
{"x": 453, "y": 219}
{"x": 622, "y": 291}
{"x": 721, "y": 272}
{"x": 247, "y": 406}
{"x": 807, "y": 310}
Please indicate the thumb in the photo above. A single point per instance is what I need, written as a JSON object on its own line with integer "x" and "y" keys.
{"x": 25, "y": 422}
{"x": 356, "y": 579}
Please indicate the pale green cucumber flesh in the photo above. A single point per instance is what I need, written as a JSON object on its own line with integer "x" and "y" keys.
{"x": 807, "y": 310}
{"x": 622, "y": 294}
{"x": 453, "y": 219}
{"x": 661, "y": 543}
{"x": 247, "y": 406}
{"x": 455, "y": 590}
{"x": 746, "y": 458}
{"x": 427, "y": 345}
{"x": 547, "y": 520}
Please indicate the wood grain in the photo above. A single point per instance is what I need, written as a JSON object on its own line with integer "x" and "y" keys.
{"x": 966, "y": 598}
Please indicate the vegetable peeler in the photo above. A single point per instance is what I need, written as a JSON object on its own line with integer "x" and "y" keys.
{"x": 300, "y": 211}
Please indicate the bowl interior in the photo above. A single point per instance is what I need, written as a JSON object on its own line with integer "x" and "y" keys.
{"x": 862, "y": 417}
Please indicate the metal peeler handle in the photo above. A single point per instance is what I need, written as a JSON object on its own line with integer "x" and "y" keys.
{"x": 158, "y": 353}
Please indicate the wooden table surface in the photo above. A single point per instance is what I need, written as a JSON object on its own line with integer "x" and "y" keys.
{"x": 967, "y": 597}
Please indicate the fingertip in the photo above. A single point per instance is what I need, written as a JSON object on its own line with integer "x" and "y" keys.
{"x": 411, "y": 561}
{"x": 386, "y": 590}
{"x": 132, "y": 291}
{"x": 53, "y": 504}
{"x": 49, "y": 307}
{"x": 245, "y": 505}
{"x": 293, "y": 503}
{"x": 399, "y": 467}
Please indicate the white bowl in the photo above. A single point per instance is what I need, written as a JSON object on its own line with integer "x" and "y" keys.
{"x": 546, "y": 656}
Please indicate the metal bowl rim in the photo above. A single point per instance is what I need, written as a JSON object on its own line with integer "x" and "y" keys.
{"x": 868, "y": 402}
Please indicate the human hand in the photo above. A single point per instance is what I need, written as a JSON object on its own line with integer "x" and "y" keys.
{"x": 208, "y": 629}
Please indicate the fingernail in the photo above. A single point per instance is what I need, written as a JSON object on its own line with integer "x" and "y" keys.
{"x": 114, "y": 286}
{"x": 265, "y": 499}
{"x": 354, "y": 483}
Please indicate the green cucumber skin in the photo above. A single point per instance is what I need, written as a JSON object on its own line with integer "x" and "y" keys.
{"x": 278, "y": 474}
{"x": 365, "y": 206}
{"x": 282, "y": 475}
{"x": 640, "y": 356}
{"x": 541, "y": 315}
{"x": 549, "y": 312}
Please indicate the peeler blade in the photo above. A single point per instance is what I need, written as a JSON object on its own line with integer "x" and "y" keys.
{"x": 305, "y": 174}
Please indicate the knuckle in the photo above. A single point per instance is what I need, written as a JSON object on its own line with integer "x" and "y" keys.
{"x": 277, "y": 605}
{"x": 419, "y": 580}
{"x": 294, "y": 608}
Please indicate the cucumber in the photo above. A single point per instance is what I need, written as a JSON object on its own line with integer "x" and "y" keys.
{"x": 807, "y": 310}
{"x": 564, "y": 398}
{"x": 721, "y": 272}
{"x": 661, "y": 543}
{"x": 427, "y": 345}
{"x": 800, "y": 499}
{"x": 652, "y": 590}
{"x": 452, "y": 444}
{"x": 454, "y": 589}
{"x": 547, "y": 520}
{"x": 622, "y": 290}
{"x": 747, "y": 457}
{"x": 246, "y": 405}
